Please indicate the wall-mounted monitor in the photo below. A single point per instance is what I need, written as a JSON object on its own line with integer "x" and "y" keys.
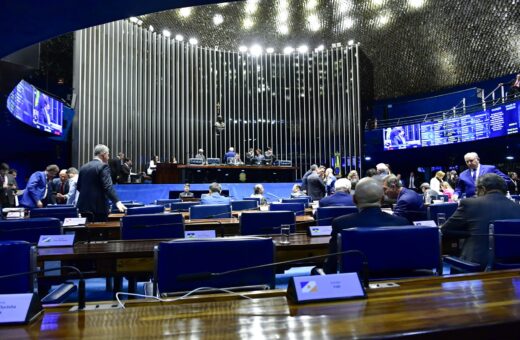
{"x": 36, "y": 108}
{"x": 495, "y": 122}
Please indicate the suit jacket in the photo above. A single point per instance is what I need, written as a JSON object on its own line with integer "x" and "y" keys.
{"x": 315, "y": 187}
{"x": 11, "y": 191}
{"x": 56, "y": 188}
{"x": 72, "y": 195}
{"x": 472, "y": 217}
{"x": 339, "y": 199}
{"x": 229, "y": 154}
{"x": 466, "y": 185}
{"x": 368, "y": 217}
{"x": 214, "y": 198}
{"x": 304, "y": 179}
{"x": 124, "y": 174}
{"x": 35, "y": 190}
{"x": 95, "y": 187}
{"x": 410, "y": 205}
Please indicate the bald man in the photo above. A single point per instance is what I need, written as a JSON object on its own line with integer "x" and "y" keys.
{"x": 368, "y": 198}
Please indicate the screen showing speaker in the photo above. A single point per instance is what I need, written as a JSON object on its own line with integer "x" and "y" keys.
{"x": 36, "y": 108}
{"x": 495, "y": 122}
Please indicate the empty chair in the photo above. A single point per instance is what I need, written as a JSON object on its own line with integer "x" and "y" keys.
{"x": 392, "y": 251}
{"x": 266, "y": 222}
{"x": 325, "y": 215}
{"x": 244, "y": 205}
{"x": 29, "y": 229}
{"x": 167, "y": 202}
{"x": 258, "y": 200}
{"x": 297, "y": 208}
{"x": 54, "y": 211}
{"x": 152, "y": 226}
{"x": 128, "y": 205}
{"x": 210, "y": 211}
{"x": 182, "y": 206}
{"x": 147, "y": 209}
{"x": 304, "y": 200}
{"x": 191, "y": 256}
{"x": 445, "y": 208}
{"x": 17, "y": 257}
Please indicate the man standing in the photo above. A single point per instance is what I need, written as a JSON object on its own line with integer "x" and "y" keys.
{"x": 4, "y": 186}
{"x": 468, "y": 178}
{"x": 412, "y": 183}
{"x": 315, "y": 185}
{"x": 306, "y": 176}
{"x": 95, "y": 186}
{"x": 214, "y": 196}
{"x": 38, "y": 192}
{"x": 368, "y": 198}
{"x": 60, "y": 187}
{"x": 341, "y": 197}
{"x": 472, "y": 217}
{"x": 72, "y": 195}
{"x": 409, "y": 203}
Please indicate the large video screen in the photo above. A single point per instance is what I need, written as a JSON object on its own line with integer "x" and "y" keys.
{"x": 35, "y": 108}
{"x": 496, "y": 122}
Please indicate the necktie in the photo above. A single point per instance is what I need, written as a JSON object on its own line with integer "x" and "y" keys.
{"x": 474, "y": 175}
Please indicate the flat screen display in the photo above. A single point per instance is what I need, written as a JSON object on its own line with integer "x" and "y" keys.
{"x": 495, "y": 122}
{"x": 35, "y": 108}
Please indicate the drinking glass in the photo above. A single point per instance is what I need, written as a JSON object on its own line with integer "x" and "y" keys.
{"x": 285, "y": 231}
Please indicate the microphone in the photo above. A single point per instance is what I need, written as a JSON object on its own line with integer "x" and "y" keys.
{"x": 208, "y": 275}
{"x": 81, "y": 283}
{"x": 273, "y": 195}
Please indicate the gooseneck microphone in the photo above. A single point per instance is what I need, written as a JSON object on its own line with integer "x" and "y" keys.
{"x": 208, "y": 275}
{"x": 81, "y": 283}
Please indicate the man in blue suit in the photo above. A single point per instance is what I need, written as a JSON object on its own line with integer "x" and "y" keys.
{"x": 214, "y": 195}
{"x": 468, "y": 178}
{"x": 409, "y": 204}
{"x": 368, "y": 198}
{"x": 38, "y": 192}
{"x": 230, "y": 154}
{"x": 341, "y": 197}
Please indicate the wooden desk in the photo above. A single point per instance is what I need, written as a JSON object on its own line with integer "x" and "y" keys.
{"x": 481, "y": 306}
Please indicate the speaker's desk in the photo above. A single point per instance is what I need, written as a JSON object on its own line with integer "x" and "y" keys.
{"x": 476, "y": 306}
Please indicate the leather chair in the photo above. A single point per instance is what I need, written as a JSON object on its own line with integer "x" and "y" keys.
{"x": 30, "y": 229}
{"x": 325, "y": 215}
{"x": 399, "y": 251}
{"x": 17, "y": 257}
{"x": 129, "y": 205}
{"x": 297, "y": 208}
{"x": 55, "y": 211}
{"x": 244, "y": 205}
{"x": 304, "y": 200}
{"x": 167, "y": 202}
{"x": 256, "y": 199}
{"x": 147, "y": 209}
{"x": 446, "y": 208}
{"x": 152, "y": 226}
{"x": 182, "y": 206}
{"x": 210, "y": 211}
{"x": 266, "y": 222}
{"x": 187, "y": 256}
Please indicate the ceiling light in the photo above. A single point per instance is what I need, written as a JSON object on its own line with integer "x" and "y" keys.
{"x": 345, "y": 6}
{"x": 283, "y": 4}
{"x": 248, "y": 23}
{"x": 269, "y": 50}
{"x": 311, "y": 4}
{"x": 179, "y": 37}
{"x": 350, "y": 42}
{"x": 313, "y": 22}
{"x": 303, "y": 49}
{"x": 224, "y": 4}
{"x": 251, "y": 6}
{"x": 510, "y": 157}
{"x": 255, "y": 50}
{"x": 218, "y": 19}
{"x": 347, "y": 23}
{"x": 288, "y": 50}
{"x": 382, "y": 20}
{"x": 416, "y": 3}
{"x": 185, "y": 12}
{"x": 283, "y": 29}
{"x": 166, "y": 33}
{"x": 319, "y": 48}
{"x": 151, "y": 28}
{"x": 139, "y": 22}
{"x": 134, "y": 19}
{"x": 377, "y": 2}
{"x": 368, "y": 158}
{"x": 193, "y": 41}
{"x": 242, "y": 49}
{"x": 283, "y": 15}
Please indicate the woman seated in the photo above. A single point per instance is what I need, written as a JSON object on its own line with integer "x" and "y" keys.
{"x": 297, "y": 191}
{"x": 259, "y": 193}
{"x": 447, "y": 190}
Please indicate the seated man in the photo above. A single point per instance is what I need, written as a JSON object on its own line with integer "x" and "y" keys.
{"x": 342, "y": 197}
{"x": 214, "y": 195}
{"x": 259, "y": 193}
{"x": 409, "y": 203}
{"x": 229, "y": 155}
{"x": 474, "y": 214}
{"x": 186, "y": 193}
{"x": 425, "y": 188}
{"x": 368, "y": 198}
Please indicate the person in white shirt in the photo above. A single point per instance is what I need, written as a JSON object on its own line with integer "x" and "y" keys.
{"x": 435, "y": 182}
{"x": 153, "y": 165}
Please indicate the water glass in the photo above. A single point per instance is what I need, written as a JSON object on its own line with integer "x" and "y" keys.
{"x": 285, "y": 231}
{"x": 441, "y": 219}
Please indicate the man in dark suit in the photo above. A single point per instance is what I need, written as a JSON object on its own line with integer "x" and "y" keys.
{"x": 4, "y": 186}
{"x": 315, "y": 186}
{"x": 474, "y": 215}
{"x": 468, "y": 178}
{"x": 38, "y": 190}
{"x": 12, "y": 188}
{"x": 409, "y": 203}
{"x": 95, "y": 186}
{"x": 60, "y": 187}
{"x": 306, "y": 175}
{"x": 124, "y": 173}
{"x": 368, "y": 198}
{"x": 341, "y": 197}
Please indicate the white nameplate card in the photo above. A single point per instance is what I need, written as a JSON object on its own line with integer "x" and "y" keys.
{"x": 303, "y": 289}
{"x": 56, "y": 241}
{"x": 200, "y": 234}
{"x": 325, "y": 230}
{"x": 429, "y": 223}
{"x": 18, "y": 308}
{"x": 15, "y": 214}
{"x": 72, "y": 221}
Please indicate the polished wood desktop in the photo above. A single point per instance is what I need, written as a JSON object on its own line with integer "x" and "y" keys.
{"x": 475, "y": 306}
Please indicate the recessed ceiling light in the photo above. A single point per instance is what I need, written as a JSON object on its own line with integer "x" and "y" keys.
{"x": 134, "y": 19}
{"x": 288, "y": 50}
{"x": 185, "y": 12}
{"x": 151, "y": 28}
{"x": 378, "y": 2}
{"x": 283, "y": 15}
{"x": 283, "y": 29}
{"x": 255, "y": 50}
{"x": 347, "y": 23}
{"x": 311, "y": 4}
{"x": 166, "y": 33}
{"x": 382, "y": 20}
{"x": 218, "y": 19}
{"x": 416, "y": 3}
{"x": 303, "y": 49}
{"x": 242, "y": 49}
{"x": 194, "y": 41}
{"x": 350, "y": 42}
{"x": 224, "y": 4}
{"x": 269, "y": 50}
{"x": 313, "y": 22}
{"x": 248, "y": 23}
{"x": 320, "y": 48}
{"x": 139, "y": 22}
{"x": 251, "y": 6}
{"x": 179, "y": 37}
